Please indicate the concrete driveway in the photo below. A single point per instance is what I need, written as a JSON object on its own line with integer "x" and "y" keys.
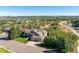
{"x": 20, "y": 48}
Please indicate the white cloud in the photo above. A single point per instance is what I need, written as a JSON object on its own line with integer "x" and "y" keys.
{"x": 7, "y": 14}
{"x": 39, "y": 13}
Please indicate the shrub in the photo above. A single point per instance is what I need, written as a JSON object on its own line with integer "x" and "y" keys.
{"x": 15, "y": 33}
{"x": 65, "y": 42}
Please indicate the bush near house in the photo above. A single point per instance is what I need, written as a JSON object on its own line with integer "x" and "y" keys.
{"x": 64, "y": 42}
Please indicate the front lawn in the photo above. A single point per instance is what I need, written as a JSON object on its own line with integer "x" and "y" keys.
{"x": 21, "y": 40}
{"x": 2, "y": 50}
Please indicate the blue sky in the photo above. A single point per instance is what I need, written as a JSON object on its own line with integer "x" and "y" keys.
{"x": 39, "y": 10}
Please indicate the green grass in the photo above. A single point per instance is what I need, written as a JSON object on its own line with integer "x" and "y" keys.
{"x": 2, "y": 50}
{"x": 21, "y": 40}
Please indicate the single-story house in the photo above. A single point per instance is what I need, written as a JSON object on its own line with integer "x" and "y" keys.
{"x": 4, "y": 36}
{"x": 6, "y": 33}
{"x": 35, "y": 34}
{"x": 38, "y": 34}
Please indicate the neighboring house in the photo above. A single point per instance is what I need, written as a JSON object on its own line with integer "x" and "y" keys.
{"x": 6, "y": 33}
{"x": 38, "y": 34}
{"x": 35, "y": 34}
{"x": 4, "y": 36}
{"x": 26, "y": 33}
{"x": 7, "y": 29}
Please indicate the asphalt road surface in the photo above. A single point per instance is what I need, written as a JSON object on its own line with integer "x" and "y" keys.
{"x": 20, "y": 48}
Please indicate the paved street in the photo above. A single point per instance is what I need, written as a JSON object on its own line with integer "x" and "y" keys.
{"x": 20, "y": 48}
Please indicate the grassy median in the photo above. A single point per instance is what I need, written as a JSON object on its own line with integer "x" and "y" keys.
{"x": 2, "y": 50}
{"x": 21, "y": 40}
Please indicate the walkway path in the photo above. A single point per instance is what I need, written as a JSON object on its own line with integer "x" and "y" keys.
{"x": 20, "y": 48}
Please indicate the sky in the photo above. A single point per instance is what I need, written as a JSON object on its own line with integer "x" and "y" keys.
{"x": 39, "y": 10}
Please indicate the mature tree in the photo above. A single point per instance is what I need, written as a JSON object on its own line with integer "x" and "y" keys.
{"x": 65, "y": 42}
